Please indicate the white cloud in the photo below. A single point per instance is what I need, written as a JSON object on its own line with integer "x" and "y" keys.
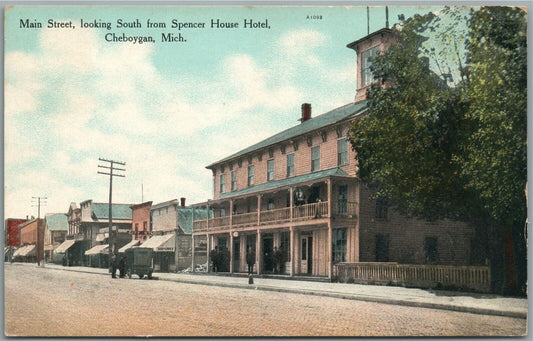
{"x": 111, "y": 101}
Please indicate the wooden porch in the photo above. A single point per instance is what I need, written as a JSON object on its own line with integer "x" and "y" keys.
{"x": 302, "y": 213}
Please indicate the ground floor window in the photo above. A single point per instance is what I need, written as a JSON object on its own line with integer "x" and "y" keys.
{"x": 382, "y": 248}
{"x": 339, "y": 245}
{"x": 430, "y": 248}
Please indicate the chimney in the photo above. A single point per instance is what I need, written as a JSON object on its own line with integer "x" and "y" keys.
{"x": 306, "y": 112}
{"x": 182, "y": 202}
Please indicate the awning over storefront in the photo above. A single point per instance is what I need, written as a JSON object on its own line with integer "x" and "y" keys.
{"x": 65, "y": 246}
{"x": 129, "y": 245}
{"x": 104, "y": 248}
{"x": 161, "y": 243}
{"x": 25, "y": 251}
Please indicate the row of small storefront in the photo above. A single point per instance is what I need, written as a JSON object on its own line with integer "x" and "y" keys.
{"x": 98, "y": 255}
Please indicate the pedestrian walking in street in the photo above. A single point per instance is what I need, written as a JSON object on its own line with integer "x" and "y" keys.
{"x": 250, "y": 260}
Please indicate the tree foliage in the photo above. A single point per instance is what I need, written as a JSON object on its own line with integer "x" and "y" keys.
{"x": 494, "y": 158}
{"x": 439, "y": 147}
{"x": 441, "y": 150}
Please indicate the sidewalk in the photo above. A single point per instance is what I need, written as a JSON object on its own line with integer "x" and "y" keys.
{"x": 486, "y": 304}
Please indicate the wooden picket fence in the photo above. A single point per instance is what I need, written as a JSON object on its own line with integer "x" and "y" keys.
{"x": 475, "y": 278}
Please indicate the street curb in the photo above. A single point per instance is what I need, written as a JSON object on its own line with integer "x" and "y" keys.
{"x": 357, "y": 297}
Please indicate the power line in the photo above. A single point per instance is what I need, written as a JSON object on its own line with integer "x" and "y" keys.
{"x": 110, "y": 166}
{"x": 40, "y": 202}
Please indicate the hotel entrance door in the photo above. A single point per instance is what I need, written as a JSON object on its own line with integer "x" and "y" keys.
{"x": 306, "y": 257}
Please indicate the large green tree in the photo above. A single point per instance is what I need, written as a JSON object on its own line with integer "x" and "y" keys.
{"x": 442, "y": 148}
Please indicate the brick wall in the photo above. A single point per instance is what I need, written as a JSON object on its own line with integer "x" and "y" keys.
{"x": 302, "y": 160}
{"x": 140, "y": 214}
{"x": 406, "y": 236}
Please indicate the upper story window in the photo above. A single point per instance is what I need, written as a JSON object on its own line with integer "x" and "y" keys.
{"x": 381, "y": 208}
{"x": 290, "y": 164}
{"x": 270, "y": 170}
{"x": 250, "y": 175}
{"x": 315, "y": 158}
{"x": 222, "y": 183}
{"x": 342, "y": 151}
{"x": 366, "y": 61}
{"x": 342, "y": 202}
{"x": 233, "y": 180}
{"x": 270, "y": 204}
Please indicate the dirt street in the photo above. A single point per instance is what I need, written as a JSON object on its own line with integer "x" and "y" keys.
{"x": 47, "y": 302}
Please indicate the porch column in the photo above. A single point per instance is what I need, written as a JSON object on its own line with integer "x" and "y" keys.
{"x": 329, "y": 256}
{"x": 208, "y": 252}
{"x": 258, "y": 257}
{"x": 293, "y": 260}
{"x": 231, "y": 236}
{"x": 208, "y": 239}
{"x": 192, "y": 255}
{"x": 231, "y": 213}
{"x": 258, "y": 209}
{"x": 291, "y": 249}
{"x": 231, "y": 251}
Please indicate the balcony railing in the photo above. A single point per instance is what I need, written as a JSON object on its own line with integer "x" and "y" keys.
{"x": 347, "y": 208}
{"x": 245, "y": 218}
{"x": 276, "y": 216}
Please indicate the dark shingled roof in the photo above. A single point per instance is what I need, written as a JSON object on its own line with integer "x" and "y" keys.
{"x": 329, "y": 118}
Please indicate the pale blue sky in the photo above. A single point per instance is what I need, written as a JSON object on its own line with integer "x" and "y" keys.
{"x": 167, "y": 110}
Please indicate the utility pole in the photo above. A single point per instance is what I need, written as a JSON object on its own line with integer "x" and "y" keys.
{"x": 111, "y": 167}
{"x": 39, "y": 203}
{"x": 39, "y": 241}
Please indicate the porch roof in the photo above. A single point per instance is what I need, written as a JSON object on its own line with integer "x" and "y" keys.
{"x": 285, "y": 182}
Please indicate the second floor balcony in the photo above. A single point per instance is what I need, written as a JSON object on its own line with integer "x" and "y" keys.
{"x": 282, "y": 216}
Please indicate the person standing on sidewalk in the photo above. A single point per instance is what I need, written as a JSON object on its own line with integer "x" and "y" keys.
{"x": 213, "y": 255}
{"x": 114, "y": 266}
{"x": 250, "y": 260}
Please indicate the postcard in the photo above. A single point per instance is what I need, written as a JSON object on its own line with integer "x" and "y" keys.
{"x": 264, "y": 171}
